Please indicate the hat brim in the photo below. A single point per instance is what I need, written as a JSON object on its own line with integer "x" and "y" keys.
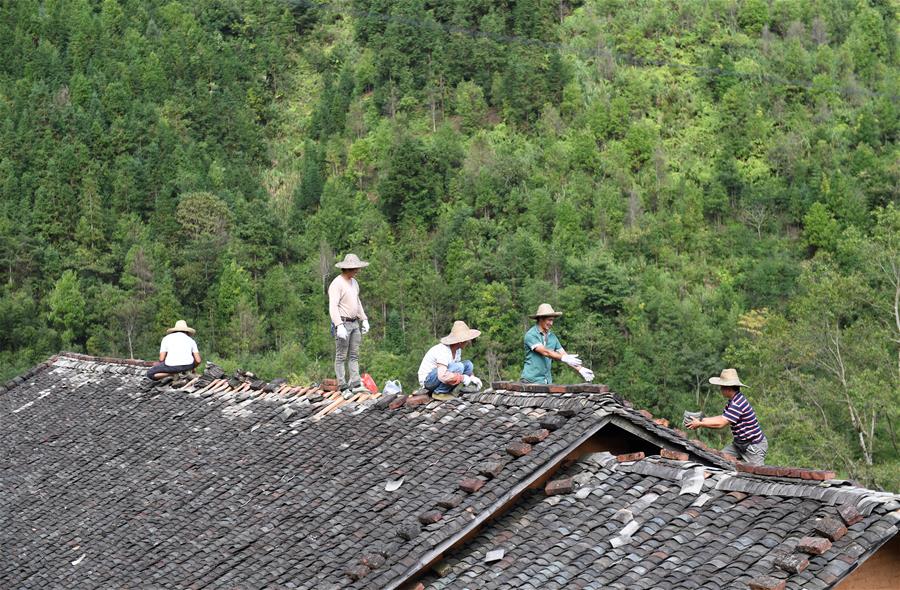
{"x": 472, "y": 335}
{"x": 718, "y": 381}
{"x": 190, "y": 331}
{"x": 555, "y": 314}
{"x": 350, "y": 265}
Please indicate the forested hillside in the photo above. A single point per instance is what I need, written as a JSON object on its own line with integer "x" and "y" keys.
{"x": 696, "y": 184}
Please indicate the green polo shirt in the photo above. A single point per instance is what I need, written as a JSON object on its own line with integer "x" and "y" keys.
{"x": 537, "y": 366}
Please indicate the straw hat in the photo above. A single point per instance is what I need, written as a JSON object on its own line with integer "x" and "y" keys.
{"x": 181, "y": 326}
{"x": 351, "y": 261}
{"x": 460, "y": 333}
{"x": 545, "y": 311}
{"x": 728, "y": 378}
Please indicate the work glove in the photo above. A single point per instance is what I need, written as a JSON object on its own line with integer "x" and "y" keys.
{"x": 586, "y": 374}
{"x": 341, "y": 332}
{"x": 365, "y": 327}
{"x": 572, "y": 360}
{"x": 472, "y": 380}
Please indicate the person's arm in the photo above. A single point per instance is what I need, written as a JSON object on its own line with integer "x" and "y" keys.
{"x": 334, "y": 297}
{"x": 709, "y": 422}
{"x": 362, "y": 312}
{"x": 162, "y": 355}
{"x": 196, "y": 358}
{"x": 445, "y": 376}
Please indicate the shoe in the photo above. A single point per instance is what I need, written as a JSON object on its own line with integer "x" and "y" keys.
{"x": 421, "y": 391}
{"x": 453, "y": 393}
{"x": 359, "y": 388}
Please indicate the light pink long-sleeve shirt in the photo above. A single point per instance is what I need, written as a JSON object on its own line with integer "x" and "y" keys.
{"x": 343, "y": 300}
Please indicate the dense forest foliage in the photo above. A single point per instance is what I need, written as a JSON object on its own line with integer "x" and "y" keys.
{"x": 696, "y": 184}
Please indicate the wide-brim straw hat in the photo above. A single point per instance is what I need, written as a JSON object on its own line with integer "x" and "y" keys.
{"x": 181, "y": 326}
{"x": 545, "y": 311}
{"x": 351, "y": 261}
{"x": 728, "y": 378}
{"x": 460, "y": 333}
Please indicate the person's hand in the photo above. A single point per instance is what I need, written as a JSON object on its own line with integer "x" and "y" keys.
{"x": 694, "y": 424}
{"x": 586, "y": 373}
{"x": 475, "y": 381}
{"x": 365, "y": 327}
{"x": 341, "y": 332}
{"x": 572, "y": 360}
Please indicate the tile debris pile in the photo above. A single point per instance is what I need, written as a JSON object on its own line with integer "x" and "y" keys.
{"x": 656, "y": 523}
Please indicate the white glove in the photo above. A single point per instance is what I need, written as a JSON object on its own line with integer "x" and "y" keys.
{"x": 475, "y": 381}
{"x": 341, "y": 332}
{"x": 467, "y": 379}
{"x": 586, "y": 373}
{"x": 572, "y": 360}
{"x": 365, "y": 327}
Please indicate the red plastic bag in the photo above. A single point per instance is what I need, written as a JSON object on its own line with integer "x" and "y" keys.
{"x": 369, "y": 383}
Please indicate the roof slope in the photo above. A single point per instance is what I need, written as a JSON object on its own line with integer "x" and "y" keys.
{"x": 109, "y": 482}
{"x": 665, "y": 524}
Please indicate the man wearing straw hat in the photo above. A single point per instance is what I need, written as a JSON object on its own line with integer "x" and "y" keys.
{"x": 178, "y": 352}
{"x": 442, "y": 372}
{"x": 750, "y": 444}
{"x": 348, "y": 324}
{"x": 542, "y": 347}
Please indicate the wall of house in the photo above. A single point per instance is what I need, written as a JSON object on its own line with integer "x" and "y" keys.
{"x": 879, "y": 572}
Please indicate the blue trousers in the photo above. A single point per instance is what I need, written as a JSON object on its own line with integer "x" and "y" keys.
{"x": 435, "y": 385}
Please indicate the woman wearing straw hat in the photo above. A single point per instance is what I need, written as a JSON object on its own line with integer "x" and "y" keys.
{"x": 542, "y": 347}
{"x": 348, "y": 324}
{"x": 750, "y": 444}
{"x": 178, "y": 352}
{"x": 442, "y": 372}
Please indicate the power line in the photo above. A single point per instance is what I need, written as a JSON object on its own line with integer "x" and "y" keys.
{"x": 618, "y": 57}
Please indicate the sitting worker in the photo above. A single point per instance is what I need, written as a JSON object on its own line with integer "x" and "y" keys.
{"x": 442, "y": 372}
{"x": 750, "y": 444}
{"x": 177, "y": 352}
{"x": 542, "y": 347}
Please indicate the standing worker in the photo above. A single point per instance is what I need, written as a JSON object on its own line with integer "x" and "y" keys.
{"x": 348, "y": 324}
{"x": 542, "y": 347}
{"x": 750, "y": 444}
{"x": 178, "y": 352}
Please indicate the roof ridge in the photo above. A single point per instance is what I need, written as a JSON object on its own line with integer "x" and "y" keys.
{"x": 101, "y": 359}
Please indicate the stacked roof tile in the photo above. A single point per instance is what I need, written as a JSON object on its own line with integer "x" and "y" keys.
{"x": 231, "y": 481}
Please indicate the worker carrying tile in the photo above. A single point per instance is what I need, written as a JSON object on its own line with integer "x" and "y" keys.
{"x": 348, "y": 324}
{"x": 542, "y": 347}
{"x": 178, "y": 352}
{"x": 442, "y": 372}
{"x": 749, "y": 444}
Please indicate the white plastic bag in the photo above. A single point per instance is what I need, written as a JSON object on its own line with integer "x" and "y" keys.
{"x": 392, "y": 387}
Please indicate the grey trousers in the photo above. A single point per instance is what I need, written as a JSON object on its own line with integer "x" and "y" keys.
{"x": 346, "y": 356}
{"x": 752, "y": 455}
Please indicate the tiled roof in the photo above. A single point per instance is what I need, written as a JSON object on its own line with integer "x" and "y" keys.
{"x": 665, "y": 524}
{"x": 232, "y": 481}
{"x": 110, "y": 482}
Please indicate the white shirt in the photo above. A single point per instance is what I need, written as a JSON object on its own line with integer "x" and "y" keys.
{"x": 439, "y": 354}
{"x": 179, "y": 349}
{"x": 343, "y": 300}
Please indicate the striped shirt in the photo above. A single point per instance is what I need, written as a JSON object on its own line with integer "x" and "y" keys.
{"x": 740, "y": 415}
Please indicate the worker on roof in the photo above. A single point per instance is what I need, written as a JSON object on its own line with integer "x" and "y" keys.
{"x": 442, "y": 372}
{"x": 348, "y": 324}
{"x": 542, "y": 347}
{"x": 749, "y": 444}
{"x": 178, "y": 352}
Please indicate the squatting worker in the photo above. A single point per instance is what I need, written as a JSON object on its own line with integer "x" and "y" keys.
{"x": 178, "y": 352}
{"x": 348, "y": 324}
{"x": 443, "y": 373}
{"x": 750, "y": 444}
{"x": 542, "y": 347}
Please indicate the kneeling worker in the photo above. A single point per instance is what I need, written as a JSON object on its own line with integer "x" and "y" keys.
{"x": 177, "y": 352}
{"x": 750, "y": 444}
{"x": 542, "y": 347}
{"x": 442, "y": 372}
